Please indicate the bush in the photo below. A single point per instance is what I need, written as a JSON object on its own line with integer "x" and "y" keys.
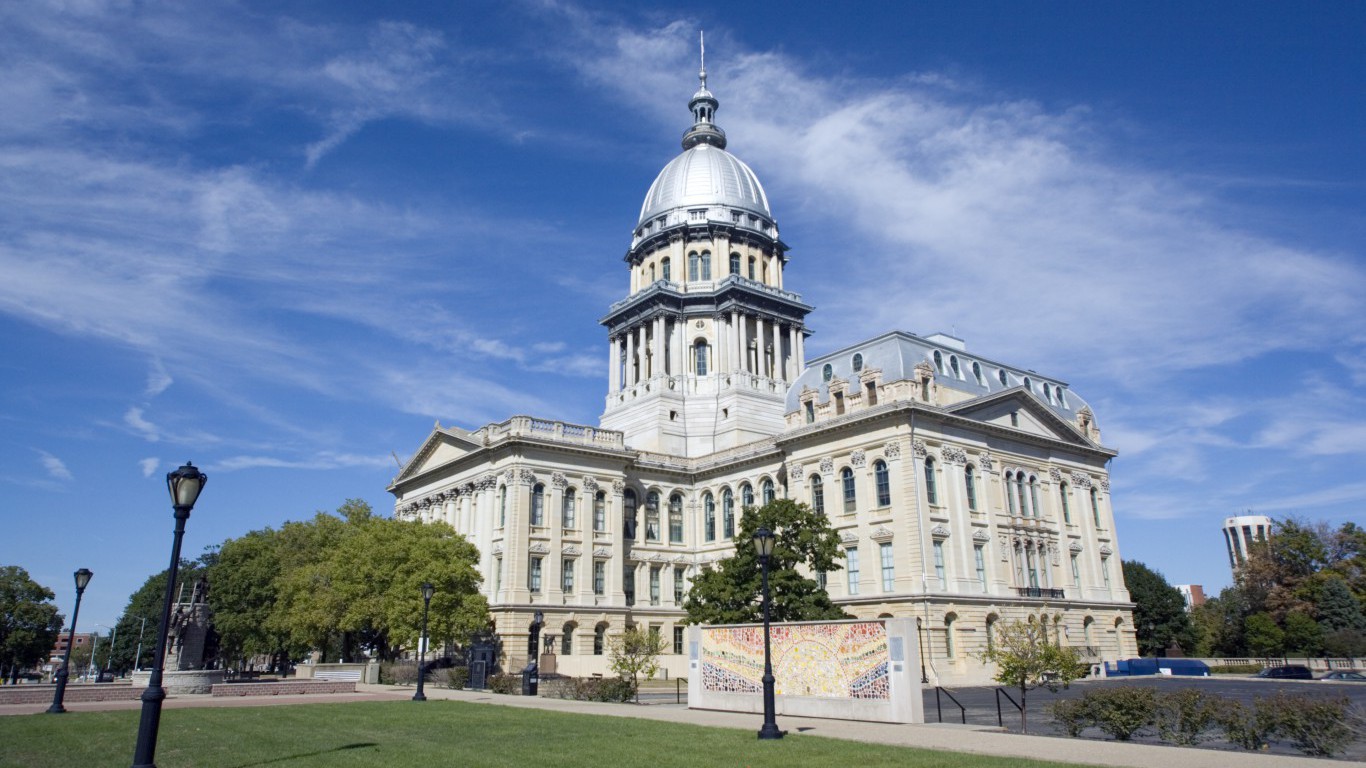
{"x": 1123, "y": 711}
{"x": 1248, "y": 727}
{"x": 505, "y": 684}
{"x": 611, "y": 689}
{"x": 1185, "y": 716}
{"x": 1073, "y": 715}
{"x": 398, "y": 673}
{"x": 1235, "y": 669}
{"x": 456, "y": 677}
{"x": 1313, "y": 725}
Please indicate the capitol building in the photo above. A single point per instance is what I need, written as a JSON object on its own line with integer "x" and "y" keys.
{"x": 966, "y": 491}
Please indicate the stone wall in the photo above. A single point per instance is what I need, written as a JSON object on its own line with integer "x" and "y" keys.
{"x": 42, "y": 693}
{"x": 284, "y": 688}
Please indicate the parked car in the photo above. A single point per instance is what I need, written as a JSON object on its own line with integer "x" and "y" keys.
{"x": 1344, "y": 676}
{"x": 1287, "y": 672}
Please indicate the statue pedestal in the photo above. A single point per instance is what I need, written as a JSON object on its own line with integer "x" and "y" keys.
{"x": 182, "y": 681}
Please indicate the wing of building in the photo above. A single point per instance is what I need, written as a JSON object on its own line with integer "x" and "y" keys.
{"x": 967, "y": 491}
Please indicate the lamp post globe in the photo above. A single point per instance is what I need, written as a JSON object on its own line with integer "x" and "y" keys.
{"x": 427, "y": 591}
{"x": 763, "y": 545}
{"x": 82, "y": 578}
{"x": 184, "y": 485}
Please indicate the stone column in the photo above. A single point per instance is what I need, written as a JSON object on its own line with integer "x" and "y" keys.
{"x": 613, "y": 364}
{"x": 733, "y": 341}
{"x": 658, "y": 366}
{"x": 778, "y": 351}
{"x": 791, "y": 366}
{"x": 801, "y": 351}
{"x": 629, "y": 375}
{"x": 744, "y": 344}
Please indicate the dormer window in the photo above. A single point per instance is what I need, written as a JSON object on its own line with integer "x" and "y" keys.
{"x": 938, "y": 361}
{"x": 953, "y": 366}
{"x": 827, "y": 373}
{"x": 977, "y": 374}
{"x": 858, "y": 362}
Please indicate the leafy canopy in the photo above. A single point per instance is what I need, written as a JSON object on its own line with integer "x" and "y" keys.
{"x": 1026, "y": 659}
{"x": 729, "y": 593}
{"x": 29, "y": 621}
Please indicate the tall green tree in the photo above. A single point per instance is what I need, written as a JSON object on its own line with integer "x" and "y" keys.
{"x": 29, "y": 622}
{"x": 146, "y": 603}
{"x": 1263, "y": 636}
{"x": 1339, "y": 608}
{"x": 805, "y": 542}
{"x": 243, "y": 594}
{"x": 1160, "y": 616}
{"x": 635, "y": 652}
{"x": 1302, "y": 635}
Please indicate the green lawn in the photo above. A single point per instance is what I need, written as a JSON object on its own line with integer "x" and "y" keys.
{"x": 436, "y": 733}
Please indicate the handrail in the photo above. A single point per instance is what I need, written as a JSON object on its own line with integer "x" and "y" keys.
{"x": 940, "y": 709}
{"x": 678, "y": 689}
{"x": 1000, "y": 721}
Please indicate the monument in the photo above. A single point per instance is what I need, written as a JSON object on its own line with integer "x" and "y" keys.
{"x": 191, "y": 646}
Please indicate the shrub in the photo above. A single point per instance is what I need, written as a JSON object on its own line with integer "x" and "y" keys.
{"x": 457, "y": 677}
{"x": 1235, "y": 669}
{"x": 1185, "y": 716}
{"x": 505, "y": 684}
{"x": 1073, "y": 715}
{"x": 1247, "y": 727}
{"x": 612, "y": 689}
{"x": 398, "y": 673}
{"x": 1315, "y": 726}
{"x": 1123, "y": 711}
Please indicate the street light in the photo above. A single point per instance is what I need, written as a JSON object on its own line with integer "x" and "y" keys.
{"x": 427, "y": 591}
{"x": 108, "y": 656}
{"x": 82, "y": 578}
{"x": 184, "y": 484}
{"x": 137, "y": 656}
{"x": 763, "y": 544}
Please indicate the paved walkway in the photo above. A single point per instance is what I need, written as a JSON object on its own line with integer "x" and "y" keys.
{"x": 951, "y": 737}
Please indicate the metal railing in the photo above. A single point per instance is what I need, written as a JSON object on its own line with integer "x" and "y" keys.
{"x": 1000, "y": 721}
{"x": 1056, "y": 594}
{"x": 940, "y": 709}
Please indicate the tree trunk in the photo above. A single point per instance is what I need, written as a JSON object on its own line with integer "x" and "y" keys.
{"x": 1024, "y": 708}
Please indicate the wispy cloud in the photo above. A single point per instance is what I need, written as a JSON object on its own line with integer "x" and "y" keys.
{"x": 55, "y": 467}
{"x": 134, "y": 419}
{"x": 322, "y": 461}
{"x": 149, "y": 465}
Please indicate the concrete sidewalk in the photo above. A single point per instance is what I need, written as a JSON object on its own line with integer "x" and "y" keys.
{"x": 950, "y": 737}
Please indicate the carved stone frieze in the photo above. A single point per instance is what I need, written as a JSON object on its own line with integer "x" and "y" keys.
{"x": 1075, "y": 546}
{"x": 981, "y": 537}
{"x": 602, "y": 552}
{"x": 796, "y": 471}
{"x": 892, "y": 450}
{"x": 572, "y": 550}
{"x": 881, "y": 533}
{"x": 527, "y": 477}
{"x": 939, "y": 532}
{"x": 954, "y": 455}
{"x": 590, "y": 484}
{"x": 539, "y": 548}
{"x": 985, "y": 460}
{"x": 497, "y": 548}
{"x": 858, "y": 459}
{"x": 486, "y": 482}
{"x": 849, "y": 537}
{"x": 1055, "y": 474}
{"x": 919, "y": 450}
{"x": 1105, "y": 483}
{"x": 1005, "y": 547}
{"x": 559, "y": 481}
{"x": 827, "y": 466}
{"x": 1105, "y": 550}
{"x": 618, "y": 486}
{"x": 1081, "y": 480}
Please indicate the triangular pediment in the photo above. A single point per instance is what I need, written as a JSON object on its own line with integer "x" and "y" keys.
{"x": 442, "y": 446}
{"x": 1020, "y": 410}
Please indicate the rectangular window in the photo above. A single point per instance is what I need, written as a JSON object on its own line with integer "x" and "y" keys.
{"x": 1076, "y": 572}
{"x": 568, "y": 511}
{"x": 676, "y": 522}
{"x": 679, "y": 573}
{"x": 654, "y": 585}
{"x": 810, "y": 409}
{"x": 839, "y": 403}
{"x": 1105, "y": 570}
{"x": 599, "y": 640}
{"x": 534, "y": 575}
{"x": 939, "y": 571}
{"x": 1033, "y": 569}
{"x": 628, "y": 584}
{"x": 600, "y": 512}
{"x": 851, "y": 566}
{"x": 567, "y": 574}
{"x": 678, "y": 641}
{"x": 871, "y": 396}
{"x": 981, "y": 566}
{"x": 497, "y": 574}
{"x": 888, "y": 566}
{"x": 599, "y": 577}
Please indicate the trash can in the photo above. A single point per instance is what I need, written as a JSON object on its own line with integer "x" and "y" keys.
{"x": 530, "y": 683}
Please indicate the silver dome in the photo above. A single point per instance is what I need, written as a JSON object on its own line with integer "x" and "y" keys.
{"x": 705, "y": 176}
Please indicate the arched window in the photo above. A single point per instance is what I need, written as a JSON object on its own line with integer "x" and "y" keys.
{"x": 567, "y": 638}
{"x": 567, "y": 509}
{"x": 883, "y": 481}
{"x": 502, "y": 506}
{"x": 970, "y": 481}
{"x": 1066, "y": 505}
{"x": 953, "y": 366}
{"x": 666, "y": 269}
{"x": 850, "y": 493}
{"x": 1001, "y": 374}
{"x": 705, "y": 261}
{"x": 746, "y": 495}
{"x": 751, "y": 268}
{"x": 652, "y": 516}
{"x": 709, "y": 517}
{"x": 1010, "y": 494}
{"x": 858, "y": 362}
{"x": 1020, "y": 493}
{"x": 950, "y": 649}
{"x": 676, "y": 519}
{"x": 976, "y": 371}
{"x": 991, "y": 632}
{"x": 699, "y": 357}
{"x": 1034, "y": 496}
{"x": 600, "y": 639}
{"x": 766, "y": 488}
{"x": 1029, "y": 385}
{"x": 692, "y": 266}
{"x": 538, "y": 505}
{"x": 1095, "y": 505}
{"x": 931, "y": 488}
{"x": 628, "y": 513}
{"x": 817, "y": 495}
{"x": 938, "y": 361}
{"x": 1047, "y": 392}
{"x": 727, "y": 514}
{"x": 652, "y": 273}
{"x": 734, "y": 263}
{"x": 1086, "y": 630}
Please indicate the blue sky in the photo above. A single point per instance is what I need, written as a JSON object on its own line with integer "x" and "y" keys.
{"x": 281, "y": 239}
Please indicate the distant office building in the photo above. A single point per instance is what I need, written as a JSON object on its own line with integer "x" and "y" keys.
{"x": 1242, "y": 533}
{"x": 1194, "y": 595}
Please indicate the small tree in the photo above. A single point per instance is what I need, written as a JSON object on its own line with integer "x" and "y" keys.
{"x": 635, "y": 652}
{"x": 1026, "y": 659}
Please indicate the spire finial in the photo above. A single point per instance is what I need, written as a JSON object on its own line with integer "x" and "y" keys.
{"x": 702, "y": 43}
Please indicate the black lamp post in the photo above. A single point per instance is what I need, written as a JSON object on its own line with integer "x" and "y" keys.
{"x": 427, "y": 591}
{"x": 763, "y": 544}
{"x": 184, "y": 484}
{"x": 82, "y": 578}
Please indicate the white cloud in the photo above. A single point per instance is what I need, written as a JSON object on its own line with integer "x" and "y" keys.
{"x": 320, "y": 461}
{"x": 55, "y": 467}
{"x": 149, "y": 465}
{"x": 158, "y": 380}
{"x": 134, "y": 419}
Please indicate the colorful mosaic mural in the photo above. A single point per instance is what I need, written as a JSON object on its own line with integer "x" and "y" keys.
{"x": 843, "y": 660}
